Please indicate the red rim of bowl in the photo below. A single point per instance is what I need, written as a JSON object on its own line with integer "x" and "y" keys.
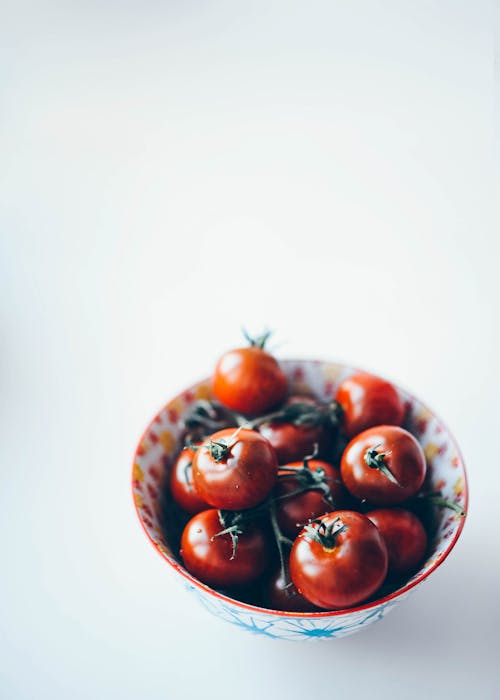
{"x": 327, "y": 613}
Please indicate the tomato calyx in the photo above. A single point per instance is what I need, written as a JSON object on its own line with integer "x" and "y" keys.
{"x": 220, "y": 449}
{"x": 259, "y": 341}
{"x": 231, "y": 522}
{"x": 308, "y": 479}
{"x": 323, "y": 534}
{"x": 376, "y": 460}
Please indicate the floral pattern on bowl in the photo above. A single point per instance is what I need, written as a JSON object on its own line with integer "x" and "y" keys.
{"x": 161, "y": 443}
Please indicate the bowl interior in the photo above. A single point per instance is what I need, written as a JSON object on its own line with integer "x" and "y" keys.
{"x": 161, "y": 443}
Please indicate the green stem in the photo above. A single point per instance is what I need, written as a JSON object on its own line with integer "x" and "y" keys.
{"x": 437, "y": 499}
{"x": 280, "y": 541}
{"x": 259, "y": 341}
{"x": 376, "y": 460}
{"x": 233, "y": 530}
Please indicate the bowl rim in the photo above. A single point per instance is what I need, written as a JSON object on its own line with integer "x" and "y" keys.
{"x": 326, "y": 613}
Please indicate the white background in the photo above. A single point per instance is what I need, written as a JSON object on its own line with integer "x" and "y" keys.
{"x": 173, "y": 170}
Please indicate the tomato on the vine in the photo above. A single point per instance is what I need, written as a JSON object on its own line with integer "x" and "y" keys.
{"x": 182, "y": 485}
{"x": 325, "y": 492}
{"x": 367, "y": 400}
{"x": 234, "y": 469}
{"x": 294, "y": 433}
{"x": 338, "y": 560}
{"x": 404, "y": 536}
{"x": 215, "y": 558}
{"x": 250, "y": 380}
{"x": 384, "y": 465}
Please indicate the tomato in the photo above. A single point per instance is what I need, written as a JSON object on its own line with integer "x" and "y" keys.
{"x": 295, "y": 434}
{"x": 280, "y": 594}
{"x": 235, "y": 469}
{"x": 366, "y": 401}
{"x": 293, "y": 512}
{"x": 292, "y": 442}
{"x": 249, "y": 380}
{"x": 182, "y": 486}
{"x": 384, "y": 465}
{"x": 214, "y": 560}
{"x": 404, "y": 536}
{"x": 339, "y": 560}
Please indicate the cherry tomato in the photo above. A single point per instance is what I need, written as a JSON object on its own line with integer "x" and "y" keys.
{"x": 214, "y": 560}
{"x": 280, "y": 594}
{"x": 366, "y": 401}
{"x": 404, "y": 536}
{"x": 293, "y": 512}
{"x": 384, "y": 465}
{"x": 292, "y": 439}
{"x": 339, "y": 560}
{"x": 292, "y": 442}
{"x": 235, "y": 469}
{"x": 182, "y": 485}
{"x": 249, "y": 380}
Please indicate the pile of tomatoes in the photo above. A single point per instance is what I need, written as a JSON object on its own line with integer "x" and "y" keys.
{"x": 292, "y": 502}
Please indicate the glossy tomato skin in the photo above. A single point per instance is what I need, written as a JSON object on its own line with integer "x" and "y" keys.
{"x": 366, "y": 401}
{"x": 249, "y": 380}
{"x": 404, "y": 459}
{"x": 209, "y": 558}
{"x": 295, "y": 511}
{"x": 404, "y": 536}
{"x": 278, "y": 596}
{"x": 240, "y": 480}
{"x": 294, "y": 442}
{"x": 346, "y": 574}
{"x": 182, "y": 485}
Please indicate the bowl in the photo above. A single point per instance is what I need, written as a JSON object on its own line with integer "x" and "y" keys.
{"x": 161, "y": 443}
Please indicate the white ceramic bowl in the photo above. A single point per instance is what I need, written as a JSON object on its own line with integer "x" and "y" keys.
{"x": 161, "y": 443}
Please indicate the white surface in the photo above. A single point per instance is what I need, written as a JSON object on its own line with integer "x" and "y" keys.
{"x": 170, "y": 171}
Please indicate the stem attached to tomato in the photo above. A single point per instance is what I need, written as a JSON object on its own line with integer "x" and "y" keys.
{"x": 259, "y": 341}
{"x": 308, "y": 479}
{"x": 325, "y": 535}
{"x": 220, "y": 449}
{"x": 376, "y": 460}
{"x": 234, "y": 530}
{"x": 303, "y": 413}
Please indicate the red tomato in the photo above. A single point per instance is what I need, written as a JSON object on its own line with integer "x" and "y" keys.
{"x": 235, "y": 469}
{"x": 296, "y": 435}
{"x": 366, "y": 401}
{"x": 292, "y": 442}
{"x": 280, "y": 596}
{"x": 404, "y": 536}
{"x": 249, "y": 380}
{"x": 210, "y": 557}
{"x": 339, "y": 560}
{"x": 293, "y": 512}
{"x": 384, "y": 465}
{"x": 182, "y": 486}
